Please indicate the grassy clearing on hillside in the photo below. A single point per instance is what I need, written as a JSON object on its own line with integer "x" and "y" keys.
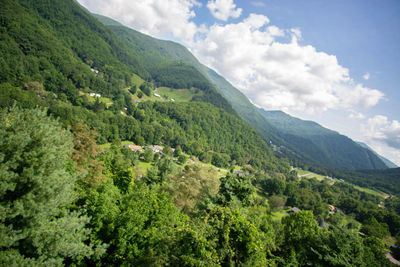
{"x": 308, "y": 174}
{"x": 93, "y": 99}
{"x": 137, "y": 80}
{"x": 179, "y": 95}
{"x": 370, "y": 191}
{"x": 278, "y": 215}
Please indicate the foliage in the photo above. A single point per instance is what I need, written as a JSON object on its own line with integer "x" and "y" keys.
{"x": 37, "y": 186}
{"x": 234, "y": 188}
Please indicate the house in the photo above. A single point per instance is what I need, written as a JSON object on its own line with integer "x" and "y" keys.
{"x": 331, "y": 208}
{"x": 173, "y": 100}
{"x": 95, "y": 95}
{"x": 94, "y": 70}
{"x": 155, "y": 149}
{"x": 294, "y": 210}
{"x": 156, "y": 95}
{"x": 134, "y": 148}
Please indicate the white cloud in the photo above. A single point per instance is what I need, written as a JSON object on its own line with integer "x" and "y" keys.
{"x": 159, "y": 18}
{"x": 380, "y": 128}
{"x": 366, "y": 76}
{"x": 356, "y": 116}
{"x": 257, "y": 3}
{"x": 278, "y": 75}
{"x": 223, "y": 9}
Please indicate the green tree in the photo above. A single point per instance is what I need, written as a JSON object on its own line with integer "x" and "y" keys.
{"x": 337, "y": 247}
{"x": 274, "y": 186}
{"x": 182, "y": 159}
{"x": 236, "y": 240}
{"x": 236, "y": 188}
{"x": 36, "y": 188}
{"x": 300, "y": 231}
{"x": 148, "y": 155}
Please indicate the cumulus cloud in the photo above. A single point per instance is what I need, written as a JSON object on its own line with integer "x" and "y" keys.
{"x": 159, "y": 18}
{"x": 278, "y": 75}
{"x": 223, "y": 9}
{"x": 380, "y": 128}
{"x": 356, "y": 116}
{"x": 366, "y": 76}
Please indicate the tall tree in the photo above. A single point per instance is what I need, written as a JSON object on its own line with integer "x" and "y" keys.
{"x": 36, "y": 187}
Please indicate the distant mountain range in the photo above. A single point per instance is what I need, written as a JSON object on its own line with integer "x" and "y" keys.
{"x": 388, "y": 163}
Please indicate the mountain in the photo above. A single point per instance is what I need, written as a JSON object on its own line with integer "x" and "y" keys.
{"x": 71, "y": 54}
{"x": 323, "y": 146}
{"x": 81, "y": 54}
{"x": 388, "y": 163}
{"x": 57, "y": 55}
{"x": 302, "y": 141}
{"x": 168, "y": 63}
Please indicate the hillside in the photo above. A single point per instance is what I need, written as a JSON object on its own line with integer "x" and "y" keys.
{"x": 97, "y": 169}
{"x": 79, "y": 54}
{"x": 387, "y": 162}
{"x": 300, "y": 141}
{"x": 324, "y": 147}
{"x": 169, "y": 64}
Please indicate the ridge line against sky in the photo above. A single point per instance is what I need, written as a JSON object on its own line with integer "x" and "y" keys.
{"x": 273, "y": 51}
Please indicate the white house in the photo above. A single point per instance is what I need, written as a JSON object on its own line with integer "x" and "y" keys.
{"x": 95, "y": 95}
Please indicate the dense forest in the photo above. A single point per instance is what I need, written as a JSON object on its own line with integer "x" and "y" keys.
{"x": 82, "y": 184}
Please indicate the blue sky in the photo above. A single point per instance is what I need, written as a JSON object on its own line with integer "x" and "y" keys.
{"x": 332, "y": 61}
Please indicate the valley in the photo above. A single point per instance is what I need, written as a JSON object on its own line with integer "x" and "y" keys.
{"x": 119, "y": 149}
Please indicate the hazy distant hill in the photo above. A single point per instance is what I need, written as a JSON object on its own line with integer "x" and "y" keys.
{"x": 324, "y": 146}
{"x": 388, "y": 163}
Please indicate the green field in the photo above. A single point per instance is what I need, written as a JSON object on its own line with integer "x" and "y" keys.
{"x": 370, "y": 191}
{"x": 179, "y": 95}
{"x": 278, "y": 215}
{"x": 309, "y": 175}
{"x": 137, "y": 80}
{"x": 92, "y": 99}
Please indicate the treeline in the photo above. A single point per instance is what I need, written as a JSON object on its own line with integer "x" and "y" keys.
{"x": 89, "y": 209}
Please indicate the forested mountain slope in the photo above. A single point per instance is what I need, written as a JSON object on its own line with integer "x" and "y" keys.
{"x": 165, "y": 58}
{"x": 60, "y": 55}
{"x": 77, "y": 52}
{"x": 324, "y": 146}
{"x": 387, "y": 162}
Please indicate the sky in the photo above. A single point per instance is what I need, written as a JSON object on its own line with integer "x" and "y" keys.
{"x": 335, "y": 62}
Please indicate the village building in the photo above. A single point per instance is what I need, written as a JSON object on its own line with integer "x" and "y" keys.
{"x": 331, "y": 209}
{"x": 94, "y": 70}
{"x": 134, "y": 148}
{"x": 95, "y": 95}
{"x": 155, "y": 149}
